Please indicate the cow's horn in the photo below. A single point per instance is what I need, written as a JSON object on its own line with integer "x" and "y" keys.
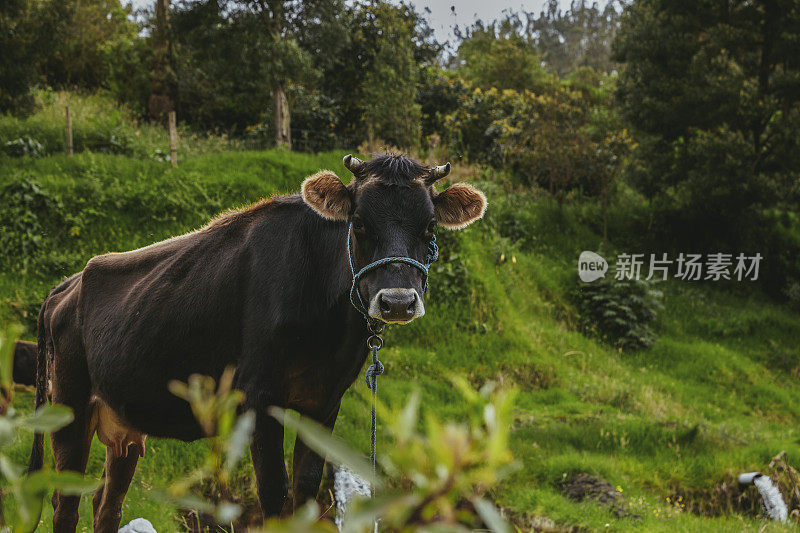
{"x": 353, "y": 164}
{"x": 438, "y": 173}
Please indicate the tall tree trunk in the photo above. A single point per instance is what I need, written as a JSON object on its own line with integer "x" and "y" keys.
{"x": 162, "y": 77}
{"x": 604, "y": 199}
{"x": 283, "y": 134}
{"x": 769, "y": 32}
{"x": 282, "y": 119}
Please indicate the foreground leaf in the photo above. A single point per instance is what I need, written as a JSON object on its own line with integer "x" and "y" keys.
{"x": 491, "y": 516}
{"x": 321, "y": 441}
{"x": 47, "y": 418}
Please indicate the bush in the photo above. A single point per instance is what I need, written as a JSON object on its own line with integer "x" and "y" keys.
{"x": 24, "y": 146}
{"x": 440, "y": 94}
{"x": 560, "y": 141}
{"x": 449, "y": 278}
{"x": 29, "y": 212}
{"x": 620, "y": 311}
{"x": 314, "y": 119}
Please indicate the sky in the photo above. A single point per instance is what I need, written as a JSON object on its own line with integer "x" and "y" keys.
{"x": 443, "y": 20}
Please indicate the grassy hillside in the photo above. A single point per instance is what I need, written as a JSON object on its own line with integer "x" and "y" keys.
{"x": 716, "y": 395}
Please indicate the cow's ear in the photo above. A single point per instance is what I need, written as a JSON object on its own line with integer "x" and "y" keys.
{"x": 459, "y": 206}
{"x": 325, "y": 193}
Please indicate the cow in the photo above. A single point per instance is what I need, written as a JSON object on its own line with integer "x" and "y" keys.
{"x": 24, "y": 372}
{"x": 265, "y": 289}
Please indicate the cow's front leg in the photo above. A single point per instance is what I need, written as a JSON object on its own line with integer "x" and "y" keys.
{"x": 266, "y": 448}
{"x": 307, "y": 467}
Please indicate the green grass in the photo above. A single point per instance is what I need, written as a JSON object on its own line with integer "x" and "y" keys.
{"x": 716, "y": 394}
{"x": 102, "y": 125}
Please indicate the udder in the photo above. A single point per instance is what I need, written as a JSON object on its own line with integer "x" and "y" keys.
{"x": 114, "y": 432}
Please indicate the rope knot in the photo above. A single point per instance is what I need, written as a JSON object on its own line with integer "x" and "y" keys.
{"x": 433, "y": 252}
{"x": 373, "y": 371}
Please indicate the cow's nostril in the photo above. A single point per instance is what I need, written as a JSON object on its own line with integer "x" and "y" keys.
{"x": 397, "y": 304}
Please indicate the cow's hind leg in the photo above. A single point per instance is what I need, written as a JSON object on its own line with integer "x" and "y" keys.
{"x": 71, "y": 443}
{"x": 107, "y": 501}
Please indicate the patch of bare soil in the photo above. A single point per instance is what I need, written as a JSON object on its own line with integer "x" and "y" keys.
{"x": 244, "y": 495}
{"x": 537, "y": 523}
{"x": 582, "y": 486}
{"x": 525, "y": 376}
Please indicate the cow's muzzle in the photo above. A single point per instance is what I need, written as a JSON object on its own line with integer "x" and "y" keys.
{"x": 396, "y": 306}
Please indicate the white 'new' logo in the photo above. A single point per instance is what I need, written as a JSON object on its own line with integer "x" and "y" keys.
{"x": 591, "y": 266}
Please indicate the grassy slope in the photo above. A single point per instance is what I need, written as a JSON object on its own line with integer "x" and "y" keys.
{"x": 707, "y": 398}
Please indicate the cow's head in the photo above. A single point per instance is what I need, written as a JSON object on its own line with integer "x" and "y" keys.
{"x": 394, "y": 210}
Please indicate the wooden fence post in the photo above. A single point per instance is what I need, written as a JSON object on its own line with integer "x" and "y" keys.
{"x": 173, "y": 140}
{"x": 69, "y": 133}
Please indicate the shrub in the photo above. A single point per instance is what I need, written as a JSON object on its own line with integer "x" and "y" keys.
{"x": 449, "y": 277}
{"x": 440, "y": 93}
{"x": 29, "y": 212}
{"x": 24, "y": 146}
{"x": 110, "y": 139}
{"x": 557, "y": 141}
{"x": 314, "y": 119}
{"x": 620, "y": 311}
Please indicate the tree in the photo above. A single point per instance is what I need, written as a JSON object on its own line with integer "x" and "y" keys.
{"x": 390, "y": 110}
{"x": 236, "y": 59}
{"x": 579, "y": 37}
{"x": 374, "y": 79}
{"x": 76, "y": 34}
{"x": 498, "y": 56}
{"x": 163, "y": 76}
{"x": 712, "y": 90}
{"x": 280, "y": 19}
{"x": 18, "y": 60}
{"x": 281, "y": 117}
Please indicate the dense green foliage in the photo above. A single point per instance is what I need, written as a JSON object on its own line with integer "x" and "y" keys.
{"x": 17, "y": 63}
{"x": 620, "y": 311}
{"x": 561, "y": 141}
{"x": 714, "y": 393}
{"x": 500, "y": 58}
{"x": 212, "y": 91}
{"x": 714, "y": 91}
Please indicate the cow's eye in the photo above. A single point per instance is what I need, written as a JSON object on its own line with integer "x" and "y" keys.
{"x": 431, "y": 227}
{"x": 358, "y": 225}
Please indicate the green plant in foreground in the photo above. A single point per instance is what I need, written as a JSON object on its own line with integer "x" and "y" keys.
{"x": 433, "y": 478}
{"x": 436, "y": 478}
{"x": 215, "y": 409}
{"x": 28, "y": 491}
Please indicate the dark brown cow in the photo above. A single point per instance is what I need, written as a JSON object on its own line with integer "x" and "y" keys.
{"x": 25, "y": 363}
{"x": 266, "y": 289}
